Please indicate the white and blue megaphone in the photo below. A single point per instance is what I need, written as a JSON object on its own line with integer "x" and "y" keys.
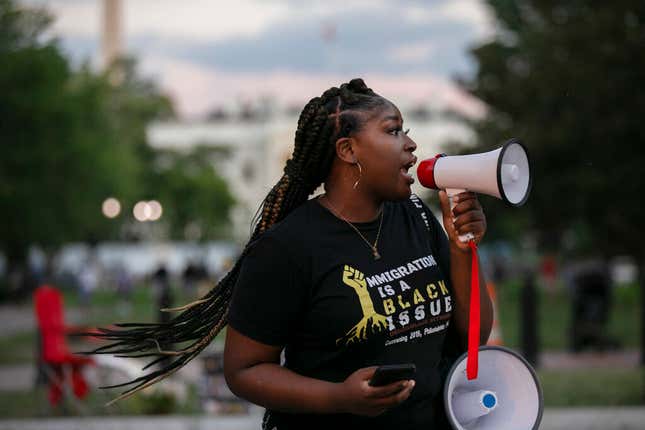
{"x": 506, "y": 395}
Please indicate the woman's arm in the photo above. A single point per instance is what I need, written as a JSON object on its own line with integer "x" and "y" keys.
{"x": 467, "y": 216}
{"x": 253, "y": 372}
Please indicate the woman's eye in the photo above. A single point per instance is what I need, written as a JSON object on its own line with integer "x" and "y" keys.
{"x": 396, "y": 131}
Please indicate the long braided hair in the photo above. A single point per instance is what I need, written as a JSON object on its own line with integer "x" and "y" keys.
{"x": 339, "y": 112}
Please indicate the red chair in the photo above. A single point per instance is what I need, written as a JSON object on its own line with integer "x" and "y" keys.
{"x": 55, "y": 355}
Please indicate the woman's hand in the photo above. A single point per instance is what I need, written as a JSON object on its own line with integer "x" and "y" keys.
{"x": 357, "y": 397}
{"x": 466, "y": 217}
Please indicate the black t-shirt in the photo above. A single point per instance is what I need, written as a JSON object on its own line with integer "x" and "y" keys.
{"x": 312, "y": 285}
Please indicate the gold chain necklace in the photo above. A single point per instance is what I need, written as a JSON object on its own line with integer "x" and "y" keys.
{"x": 373, "y": 247}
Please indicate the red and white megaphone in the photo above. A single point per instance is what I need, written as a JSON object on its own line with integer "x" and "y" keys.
{"x": 489, "y": 387}
{"x": 503, "y": 173}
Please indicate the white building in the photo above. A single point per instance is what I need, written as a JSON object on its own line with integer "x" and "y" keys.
{"x": 255, "y": 150}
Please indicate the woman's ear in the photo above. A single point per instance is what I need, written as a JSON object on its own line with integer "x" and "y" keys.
{"x": 345, "y": 149}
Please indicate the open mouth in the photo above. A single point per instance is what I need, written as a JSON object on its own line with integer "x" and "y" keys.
{"x": 405, "y": 170}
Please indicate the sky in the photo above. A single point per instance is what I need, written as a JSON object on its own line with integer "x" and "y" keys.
{"x": 209, "y": 53}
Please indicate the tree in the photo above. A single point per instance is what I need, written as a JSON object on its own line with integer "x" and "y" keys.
{"x": 72, "y": 138}
{"x": 565, "y": 78}
{"x": 194, "y": 197}
{"x": 61, "y": 153}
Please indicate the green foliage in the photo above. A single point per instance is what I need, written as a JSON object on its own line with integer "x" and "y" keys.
{"x": 192, "y": 195}
{"x": 565, "y": 77}
{"x": 21, "y": 28}
{"x": 72, "y": 138}
{"x": 64, "y": 150}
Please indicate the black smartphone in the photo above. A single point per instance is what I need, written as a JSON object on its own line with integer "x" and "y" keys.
{"x": 392, "y": 372}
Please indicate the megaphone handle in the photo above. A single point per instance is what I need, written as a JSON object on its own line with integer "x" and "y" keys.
{"x": 451, "y": 193}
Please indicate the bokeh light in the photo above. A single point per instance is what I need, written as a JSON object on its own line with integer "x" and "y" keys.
{"x": 147, "y": 211}
{"x": 141, "y": 211}
{"x": 155, "y": 210}
{"x": 111, "y": 207}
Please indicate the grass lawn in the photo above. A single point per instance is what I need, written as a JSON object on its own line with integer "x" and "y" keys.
{"x": 598, "y": 387}
{"x": 105, "y": 308}
{"x": 554, "y": 313}
{"x": 18, "y": 348}
{"x": 33, "y": 404}
{"x": 592, "y": 387}
{"x": 562, "y": 388}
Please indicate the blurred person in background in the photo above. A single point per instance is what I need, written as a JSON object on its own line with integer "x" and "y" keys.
{"x": 124, "y": 288}
{"x": 88, "y": 281}
{"x": 592, "y": 296}
{"x": 162, "y": 292}
{"x": 342, "y": 283}
{"x": 190, "y": 276}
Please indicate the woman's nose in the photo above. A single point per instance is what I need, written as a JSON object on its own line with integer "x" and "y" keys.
{"x": 410, "y": 145}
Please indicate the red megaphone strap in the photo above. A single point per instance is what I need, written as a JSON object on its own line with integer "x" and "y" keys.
{"x": 472, "y": 363}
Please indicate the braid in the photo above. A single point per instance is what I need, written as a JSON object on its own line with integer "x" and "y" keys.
{"x": 337, "y": 113}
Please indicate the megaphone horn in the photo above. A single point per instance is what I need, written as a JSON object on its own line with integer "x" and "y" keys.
{"x": 503, "y": 173}
{"x": 506, "y": 395}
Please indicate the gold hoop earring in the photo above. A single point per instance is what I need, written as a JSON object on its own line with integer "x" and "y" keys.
{"x": 360, "y": 175}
